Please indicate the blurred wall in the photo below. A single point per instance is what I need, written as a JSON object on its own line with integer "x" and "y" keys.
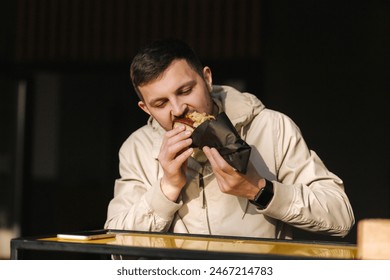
{"x": 325, "y": 64}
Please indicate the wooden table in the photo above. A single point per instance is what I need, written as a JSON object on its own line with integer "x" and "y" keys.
{"x": 187, "y": 246}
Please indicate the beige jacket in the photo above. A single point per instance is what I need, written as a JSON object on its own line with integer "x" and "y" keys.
{"x": 307, "y": 194}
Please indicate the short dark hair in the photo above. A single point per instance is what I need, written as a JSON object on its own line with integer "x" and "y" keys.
{"x": 152, "y": 60}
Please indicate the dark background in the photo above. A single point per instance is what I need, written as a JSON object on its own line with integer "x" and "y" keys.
{"x": 323, "y": 63}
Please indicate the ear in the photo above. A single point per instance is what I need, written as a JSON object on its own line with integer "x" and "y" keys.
{"x": 207, "y": 76}
{"x": 143, "y": 106}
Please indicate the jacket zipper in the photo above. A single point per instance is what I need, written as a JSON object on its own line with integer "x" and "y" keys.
{"x": 204, "y": 201}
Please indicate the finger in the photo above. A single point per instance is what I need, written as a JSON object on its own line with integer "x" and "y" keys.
{"x": 176, "y": 134}
{"x": 176, "y": 129}
{"x": 177, "y": 146}
{"x": 179, "y": 163}
{"x": 217, "y": 172}
{"x": 174, "y": 145}
{"x": 171, "y": 151}
{"x": 210, "y": 156}
{"x": 221, "y": 162}
{"x": 182, "y": 158}
{"x": 224, "y": 178}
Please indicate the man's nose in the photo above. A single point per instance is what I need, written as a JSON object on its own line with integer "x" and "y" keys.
{"x": 178, "y": 108}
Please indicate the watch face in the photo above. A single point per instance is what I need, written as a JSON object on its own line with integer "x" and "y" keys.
{"x": 263, "y": 198}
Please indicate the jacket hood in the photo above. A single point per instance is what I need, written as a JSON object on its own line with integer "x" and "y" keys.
{"x": 240, "y": 107}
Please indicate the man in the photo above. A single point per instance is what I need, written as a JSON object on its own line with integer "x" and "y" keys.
{"x": 162, "y": 188}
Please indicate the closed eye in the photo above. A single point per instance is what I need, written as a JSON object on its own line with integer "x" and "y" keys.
{"x": 160, "y": 103}
{"x": 185, "y": 91}
{"x": 186, "y": 88}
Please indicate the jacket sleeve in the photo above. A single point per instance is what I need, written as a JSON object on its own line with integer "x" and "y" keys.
{"x": 138, "y": 202}
{"x": 306, "y": 194}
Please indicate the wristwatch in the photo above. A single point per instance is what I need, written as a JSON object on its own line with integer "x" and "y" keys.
{"x": 264, "y": 196}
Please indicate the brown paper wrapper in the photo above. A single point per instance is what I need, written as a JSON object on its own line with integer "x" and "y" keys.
{"x": 221, "y": 134}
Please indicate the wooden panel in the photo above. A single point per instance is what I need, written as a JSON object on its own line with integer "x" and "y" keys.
{"x": 112, "y": 30}
{"x": 373, "y": 239}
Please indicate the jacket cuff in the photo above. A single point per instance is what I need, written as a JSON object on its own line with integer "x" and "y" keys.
{"x": 160, "y": 204}
{"x": 281, "y": 201}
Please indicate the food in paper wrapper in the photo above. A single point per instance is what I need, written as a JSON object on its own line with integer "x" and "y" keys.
{"x": 218, "y": 133}
{"x": 191, "y": 121}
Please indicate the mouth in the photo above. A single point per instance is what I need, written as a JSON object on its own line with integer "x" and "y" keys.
{"x": 193, "y": 119}
{"x": 185, "y": 120}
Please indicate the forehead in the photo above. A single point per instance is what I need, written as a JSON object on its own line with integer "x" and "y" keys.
{"x": 178, "y": 74}
{"x": 177, "y": 70}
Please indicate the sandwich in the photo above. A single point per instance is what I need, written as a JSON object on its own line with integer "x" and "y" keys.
{"x": 192, "y": 120}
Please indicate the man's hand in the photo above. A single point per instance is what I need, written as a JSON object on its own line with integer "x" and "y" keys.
{"x": 173, "y": 159}
{"x": 229, "y": 180}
